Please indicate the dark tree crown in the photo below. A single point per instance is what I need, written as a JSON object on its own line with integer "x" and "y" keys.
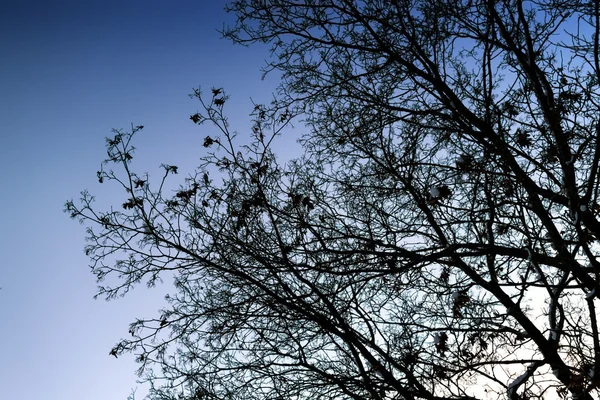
{"x": 437, "y": 239}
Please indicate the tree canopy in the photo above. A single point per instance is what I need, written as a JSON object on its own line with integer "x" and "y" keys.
{"x": 437, "y": 239}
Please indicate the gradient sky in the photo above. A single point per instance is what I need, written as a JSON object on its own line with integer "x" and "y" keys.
{"x": 70, "y": 72}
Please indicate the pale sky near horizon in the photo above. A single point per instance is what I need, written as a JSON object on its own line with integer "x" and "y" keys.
{"x": 70, "y": 72}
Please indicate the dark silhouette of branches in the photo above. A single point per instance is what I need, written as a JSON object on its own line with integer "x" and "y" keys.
{"x": 436, "y": 240}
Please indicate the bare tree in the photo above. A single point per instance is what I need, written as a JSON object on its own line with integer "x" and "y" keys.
{"x": 437, "y": 240}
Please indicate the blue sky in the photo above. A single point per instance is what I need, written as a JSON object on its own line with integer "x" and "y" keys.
{"x": 70, "y": 71}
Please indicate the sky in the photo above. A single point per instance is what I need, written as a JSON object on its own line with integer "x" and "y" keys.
{"x": 70, "y": 71}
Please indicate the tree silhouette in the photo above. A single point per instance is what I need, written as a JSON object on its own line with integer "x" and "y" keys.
{"x": 436, "y": 240}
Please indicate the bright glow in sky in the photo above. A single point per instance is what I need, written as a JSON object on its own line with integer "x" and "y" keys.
{"x": 70, "y": 71}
